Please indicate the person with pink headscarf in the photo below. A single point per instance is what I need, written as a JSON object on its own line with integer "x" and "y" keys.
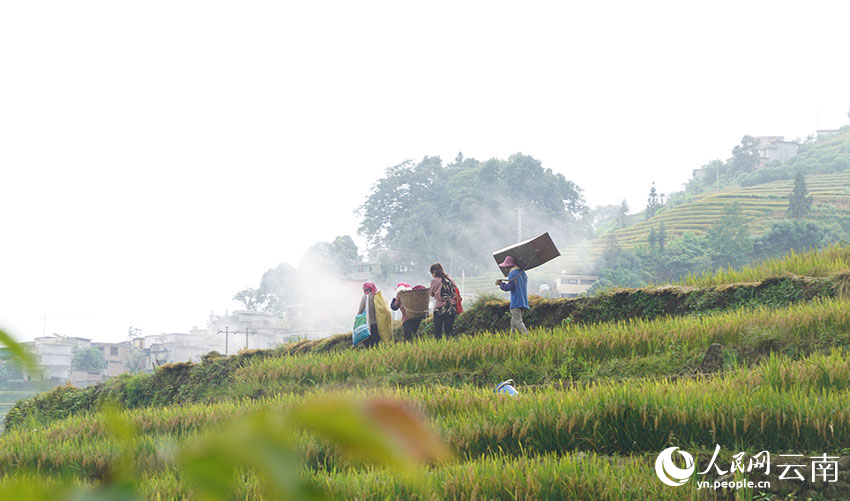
{"x": 369, "y": 291}
{"x": 408, "y": 325}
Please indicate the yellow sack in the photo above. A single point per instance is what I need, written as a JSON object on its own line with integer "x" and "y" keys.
{"x": 385, "y": 319}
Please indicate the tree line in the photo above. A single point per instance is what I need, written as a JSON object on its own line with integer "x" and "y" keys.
{"x": 458, "y": 213}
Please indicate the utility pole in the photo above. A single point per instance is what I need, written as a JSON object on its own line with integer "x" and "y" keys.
{"x": 246, "y": 339}
{"x": 226, "y": 332}
{"x": 519, "y": 224}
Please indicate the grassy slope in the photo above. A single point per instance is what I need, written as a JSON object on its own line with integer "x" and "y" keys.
{"x": 781, "y": 405}
{"x": 179, "y": 383}
{"x": 597, "y": 403}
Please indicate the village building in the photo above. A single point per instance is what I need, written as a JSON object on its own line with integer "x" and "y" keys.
{"x": 775, "y": 149}
{"x": 770, "y": 149}
{"x": 825, "y": 133}
{"x": 248, "y": 330}
{"x": 81, "y": 379}
{"x": 54, "y": 358}
{"x": 115, "y": 355}
{"x": 574, "y": 285}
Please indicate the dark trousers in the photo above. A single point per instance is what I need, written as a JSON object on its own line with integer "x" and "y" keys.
{"x": 410, "y": 327}
{"x": 374, "y": 338}
{"x": 443, "y": 321}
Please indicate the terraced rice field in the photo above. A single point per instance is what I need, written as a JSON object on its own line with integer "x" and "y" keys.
{"x": 763, "y": 204}
{"x": 597, "y": 403}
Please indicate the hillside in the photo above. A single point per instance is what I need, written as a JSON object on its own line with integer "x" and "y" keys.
{"x": 762, "y": 204}
{"x": 605, "y": 384}
{"x": 762, "y": 196}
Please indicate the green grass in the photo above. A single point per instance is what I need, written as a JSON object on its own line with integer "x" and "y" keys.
{"x": 665, "y": 346}
{"x": 813, "y": 263}
{"x": 781, "y": 405}
{"x": 547, "y": 477}
{"x": 597, "y": 403}
{"x": 548, "y": 352}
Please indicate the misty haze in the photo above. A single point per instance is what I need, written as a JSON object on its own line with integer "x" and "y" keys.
{"x": 382, "y": 251}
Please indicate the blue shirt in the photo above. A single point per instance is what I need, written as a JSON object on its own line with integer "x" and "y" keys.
{"x": 518, "y": 285}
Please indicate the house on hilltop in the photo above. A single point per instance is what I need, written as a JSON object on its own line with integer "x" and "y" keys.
{"x": 775, "y": 148}
{"x": 825, "y": 133}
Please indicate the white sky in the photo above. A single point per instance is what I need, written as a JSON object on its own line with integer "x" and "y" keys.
{"x": 156, "y": 157}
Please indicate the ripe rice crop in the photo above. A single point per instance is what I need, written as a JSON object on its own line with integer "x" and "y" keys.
{"x": 546, "y": 477}
{"x": 779, "y": 405}
{"x": 505, "y": 477}
{"x": 812, "y": 263}
{"x": 802, "y": 322}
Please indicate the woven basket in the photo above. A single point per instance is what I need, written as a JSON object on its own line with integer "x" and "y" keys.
{"x": 415, "y": 302}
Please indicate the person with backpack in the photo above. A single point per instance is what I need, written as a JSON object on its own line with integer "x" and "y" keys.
{"x": 445, "y": 294}
{"x": 517, "y": 284}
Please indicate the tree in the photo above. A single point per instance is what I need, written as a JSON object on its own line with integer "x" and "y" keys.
{"x": 336, "y": 257}
{"x": 729, "y": 240}
{"x": 10, "y": 369}
{"x": 652, "y": 238}
{"x": 251, "y": 299}
{"x": 791, "y": 234}
{"x": 135, "y": 360}
{"x": 604, "y": 216}
{"x": 653, "y": 202}
{"x": 745, "y": 156}
{"x": 618, "y": 268}
{"x": 682, "y": 256}
{"x": 799, "y": 201}
{"x": 345, "y": 253}
{"x": 662, "y": 237}
{"x": 277, "y": 289}
{"x": 425, "y": 212}
{"x": 621, "y": 214}
{"x": 87, "y": 359}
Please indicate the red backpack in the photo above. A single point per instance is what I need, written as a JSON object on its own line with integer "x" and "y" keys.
{"x": 448, "y": 290}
